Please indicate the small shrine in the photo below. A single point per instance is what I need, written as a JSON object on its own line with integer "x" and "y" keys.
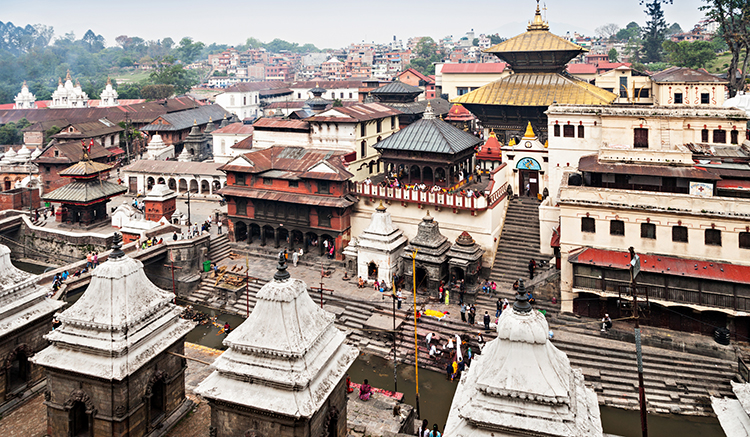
{"x": 109, "y": 95}
{"x": 24, "y": 99}
{"x": 465, "y": 259}
{"x": 68, "y": 95}
{"x": 84, "y": 200}
{"x": 490, "y": 155}
{"x": 25, "y": 316}
{"x": 114, "y": 366}
{"x": 431, "y": 265}
{"x": 157, "y": 150}
{"x": 528, "y": 160}
{"x": 284, "y": 372}
{"x": 379, "y": 248}
{"x": 160, "y": 202}
{"x": 317, "y": 103}
{"x": 461, "y": 118}
{"x": 522, "y": 384}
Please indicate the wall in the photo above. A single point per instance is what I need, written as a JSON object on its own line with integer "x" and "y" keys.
{"x": 691, "y": 93}
{"x": 31, "y": 335}
{"x": 244, "y": 105}
{"x": 451, "y": 81}
{"x": 611, "y": 82}
{"x": 263, "y": 139}
{"x": 19, "y": 199}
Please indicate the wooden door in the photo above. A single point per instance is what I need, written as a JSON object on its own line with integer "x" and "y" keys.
{"x": 529, "y": 182}
{"x": 133, "y": 185}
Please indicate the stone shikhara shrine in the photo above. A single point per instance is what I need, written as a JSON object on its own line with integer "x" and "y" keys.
{"x": 111, "y": 368}
{"x": 284, "y": 372}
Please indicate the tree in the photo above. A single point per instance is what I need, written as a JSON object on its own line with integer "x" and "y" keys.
{"x": 674, "y": 29}
{"x": 157, "y": 92}
{"x": 496, "y": 39}
{"x": 733, "y": 17}
{"x": 11, "y": 133}
{"x": 475, "y": 42}
{"x": 167, "y": 43}
{"x": 631, "y": 31}
{"x": 187, "y": 50}
{"x": 427, "y": 54}
{"x": 655, "y": 30}
{"x": 613, "y": 55}
{"x": 94, "y": 42}
{"x": 167, "y": 73}
{"x": 607, "y": 31}
{"x": 689, "y": 54}
{"x": 337, "y": 103}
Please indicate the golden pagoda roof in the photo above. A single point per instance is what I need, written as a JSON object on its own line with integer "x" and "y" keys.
{"x": 85, "y": 168}
{"x": 535, "y": 40}
{"x": 537, "y": 89}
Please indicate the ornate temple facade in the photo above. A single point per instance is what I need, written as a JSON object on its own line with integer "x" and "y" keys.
{"x": 109, "y": 95}
{"x": 24, "y": 99}
{"x": 68, "y": 95}
{"x": 114, "y": 366}
{"x": 522, "y": 384}
{"x": 25, "y": 316}
{"x": 283, "y": 373}
{"x": 378, "y": 248}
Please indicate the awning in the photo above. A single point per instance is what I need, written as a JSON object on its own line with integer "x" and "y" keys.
{"x": 116, "y": 151}
{"x": 667, "y": 265}
{"x": 733, "y": 184}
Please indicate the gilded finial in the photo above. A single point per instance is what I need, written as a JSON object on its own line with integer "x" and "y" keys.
{"x": 67, "y": 78}
{"x": 538, "y": 23}
{"x": 109, "y": 81}
{"x": 529, "y": 132}
{"x": 195, "y": 122}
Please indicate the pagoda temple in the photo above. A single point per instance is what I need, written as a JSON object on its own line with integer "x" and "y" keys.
{"x": 115, "y": 364}
{"x": 431, "y": 263}
{"x": 538, "y": 60}
{"x": 284, "y": 371}
{"x": 84, "y": 200}
{"x": 379, "y": 248}
{"x": 522, "y": 384}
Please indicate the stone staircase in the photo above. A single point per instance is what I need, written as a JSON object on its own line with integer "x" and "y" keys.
{"x": 219, "y": 248}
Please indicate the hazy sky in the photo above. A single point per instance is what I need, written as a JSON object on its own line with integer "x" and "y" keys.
{"x": 325, "y": 23}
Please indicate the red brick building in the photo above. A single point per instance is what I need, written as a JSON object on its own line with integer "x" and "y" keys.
{"x": 58, "y": 156}
{"x": 160, "y": 202}
{"x": 18, "y": 199}
{"x": 290, "y": 197}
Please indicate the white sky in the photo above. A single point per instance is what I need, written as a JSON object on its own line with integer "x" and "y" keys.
{"x": 325, "y": 23}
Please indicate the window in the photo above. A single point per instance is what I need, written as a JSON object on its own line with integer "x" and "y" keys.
{"x": 720, "y": 136}
{"x": 643, "y": 93}
{"x": 57, "y": 153}
{"x": 640, "y": 137}
{"x": 323, "y": 187}
{"x": 350, "y": 96}
{"x": 679, "y": 234}
{"x": 588, "y": 224}
{"x": 239, "y": 179}
{"x": 648, "y": 230}
{"x": 379, "y": 126}
{"x": 623, "y": 86}
{"x": 569, "y": 131}
{"x": 342, "y": 95}
{"x": 462, "y": 90}
{"x": 744, "y": 240}
{"x": 244, "y": 100}
{"x": 393, "y": 122}
{"x": 557, "y": 130}
{"x": 678, "y": 97}
{"x": 241, "y": 207}
{"x": 735, "y": 135}
{"x": 363, "y": 149}
{"x": 362, "y": 130}
{"x": 46, "y": 169}
{"x": 580, "y": 131}
{"x": 713, "y": 237}
{"x": 267, "y": 181}
{"x": 293, "y": 184}
{"x": 299, "y": 95}
{"x": 616, "y": 227}
{"x": 704, "y": 135}
{"x": 324, "y": 217}
{"x": 705, "y": 98}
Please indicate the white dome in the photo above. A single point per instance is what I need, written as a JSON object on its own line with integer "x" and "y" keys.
{"x": 10, "y": 153}
{"x": 36, "y": 153}
{"x": 24, "y": 153}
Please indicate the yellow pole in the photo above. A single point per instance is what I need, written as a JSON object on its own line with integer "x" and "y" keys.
{"x": 416, "y": 347}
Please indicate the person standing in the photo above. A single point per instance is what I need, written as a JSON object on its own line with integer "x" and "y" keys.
{"x": 218, "y": 226}
{"x": 89, "y": 257}
{"x": 498, "y": 307}
{"x": 95, "y": 259}
{"x": 447, "y": 296}
{"x": 486, "y": 321}
{"x": 399, "y": 298}
{"x": 532, "y": 266}
{"x": 295, "y": 258}
{"x": 463, "y": 312}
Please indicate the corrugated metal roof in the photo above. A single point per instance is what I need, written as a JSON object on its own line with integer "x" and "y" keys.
{"x": 184, "y": 119}
{"x": 581, "y": 68}
{"x": 685, "y": 75}
{"x": 458, "y": 112}
{"x": 429, "y": 135}
{"x": 282, "y": 196}
{"x": 235, "y": 128}
{"x": 537, "y": 89}
{"x": 89, "y": 129}
{"x": 397, "y": 87}
{"x": 668, "y": 265}
{"x": 85, "y": 192}
{"x": 591, "y": 163}
{"x": 294, "y": 160}
{"x": 439, "y": 105}
{"x": 266, "y": 122}
{"x": 246, "y": 144}
{"x": 359, "y": 112}
{"x": 71, "y": 152}
{"x": 174, "y": 167}
{"x": 534, "y": 41}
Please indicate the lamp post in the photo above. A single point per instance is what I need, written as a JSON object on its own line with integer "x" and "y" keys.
{"x": 188, "y": 200}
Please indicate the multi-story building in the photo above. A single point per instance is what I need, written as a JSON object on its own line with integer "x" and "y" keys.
{"x": 459, "y": 79}
{"x": 290, "y": 197}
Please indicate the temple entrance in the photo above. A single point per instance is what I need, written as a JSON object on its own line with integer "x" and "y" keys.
{"x": 149, "y": 183}
{"x": 18, "y": 374}
{"x": 372, "y": 270}
{"x": 79, "y": 420}
{"x": 528, "y": 182}
{"x": 421, "y": 274}
{"x": 157, "y": 403}
{"x": 457, "y": 274}
{"x": 133, "y": 185}
{"x": 240, "y": 232}
{"x": 7, "y": 184}
{"x": 254, "y": 232}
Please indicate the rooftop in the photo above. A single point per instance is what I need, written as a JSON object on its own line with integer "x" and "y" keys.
{"x": 174, "y": 167}
{"x": 292, "y": 163}
{"x": 483, "y": 68}
{"x": 685, "y": 75}
{"x": 235, "y": 128}
{"x": 185, "y": 119}
{"x": 429, "y": 135}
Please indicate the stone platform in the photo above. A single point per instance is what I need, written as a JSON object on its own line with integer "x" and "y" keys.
{"x": 376, "y": 417}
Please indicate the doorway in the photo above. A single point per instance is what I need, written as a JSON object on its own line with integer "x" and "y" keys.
{"x": 528, "y": 182}
{"x": 133, "y": 185}
{"x": 372, "y": 270}
{"x": 421, "y": 274}
{"x": 157, "y": 403}
{"x": 18, "y": 374}
{"x": 79, "y": 420}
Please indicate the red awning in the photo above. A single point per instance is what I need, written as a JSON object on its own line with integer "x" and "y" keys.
{"x": 668, "y": 265}
{"x": 116, "y": 151}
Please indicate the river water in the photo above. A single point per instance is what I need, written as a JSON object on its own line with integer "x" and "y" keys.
{"x": 436, "y": 391}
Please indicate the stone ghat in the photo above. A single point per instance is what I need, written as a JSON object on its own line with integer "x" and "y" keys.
{"x": 676, "y": 382}
{"x": 379, "y": 416}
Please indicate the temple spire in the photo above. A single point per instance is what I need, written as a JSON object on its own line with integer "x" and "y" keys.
{"x": 538, "y": 23}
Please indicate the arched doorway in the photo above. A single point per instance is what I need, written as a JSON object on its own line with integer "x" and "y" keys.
{"x": 284, "y": 237}
{"x": 326, "y": 243}
{"x": 372, "y": 270}
{"x": 267, "y": 234}
{"x": 6, "y": 184}
{"x": 457, "y": 274}
{"x": 297, "y": 239}
{"x": 160, "y": 181}
{"x": 415, "y": 175}
{"x": 78, "y": 420}
{"x": 440, "y": 176}
{"x": 240, "y": 231}
{"x": 254, "y": 231}
{"x": 172, "y": 184}
{"x": 149, "y": 183}
{"x": 427, "y": 176}
{"x": 194, "y": 186}
{"x": 311, "y": 241}
{"x": 421, "y": 277}
{"x": 18, "y": 369}
{"x": 216, "y": 185}
{"x": 158, "y": 401}
{"x": 183, "y": 185}
{"x": 205, "y": 187}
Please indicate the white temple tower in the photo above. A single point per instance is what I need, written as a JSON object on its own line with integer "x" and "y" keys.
{"x": 24, "y": 99}
{"x": 68, "y": 95}
{"x": 109, "y": 95}
{"x": 379, "y": 248}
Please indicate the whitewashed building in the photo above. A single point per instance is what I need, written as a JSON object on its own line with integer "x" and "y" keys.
{"x": 227, "y": 139}
{"x": 68, "y": 95}
{"x": 379, "y": 248}
{"x": 108, "y": 96}
{"x": 24, "y": 99}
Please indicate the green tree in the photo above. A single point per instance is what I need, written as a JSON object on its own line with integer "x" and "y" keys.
{"x": 337, "y": 103}
{"x": 733, "y": 17}
{"x": 689, "y": 54}
{"x": 187, "y": 51}
{"x": 655, "y": 30}
{"x": 475, "y": 42}
{"x": 11, "y": 133}
{"x": 674, "y": 29}
{"x": 157, "y": 92}
{"x": 496, "y": 39}
{"x": 613, "y": 55}
{"x": 427, "y": 54}
{"x": 631, "y": 31}
{"x": 54, "y": 130}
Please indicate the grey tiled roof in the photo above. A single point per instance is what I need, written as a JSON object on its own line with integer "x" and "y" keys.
{"x": 429, "y": 135}
{"x": 184, "y": 119}
{"x": 397, "y": 87}
{"x": 439, "y": 105}
{"x": 85, "y": 191}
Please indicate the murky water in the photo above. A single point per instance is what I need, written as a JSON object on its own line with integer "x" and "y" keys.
{"x": 208, "y": 334}
{"x": 36, "y": 269}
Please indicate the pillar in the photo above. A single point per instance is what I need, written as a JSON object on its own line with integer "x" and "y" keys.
{"x": 262, "y": 236}
{"x": 276, "y": 238}
{"x": 291, "y": 241}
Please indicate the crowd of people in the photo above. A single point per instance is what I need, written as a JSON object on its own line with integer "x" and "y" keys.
{"x": 394, "y": 182}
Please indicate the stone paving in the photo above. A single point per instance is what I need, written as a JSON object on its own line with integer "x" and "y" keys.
{"x": 29, "y": 420}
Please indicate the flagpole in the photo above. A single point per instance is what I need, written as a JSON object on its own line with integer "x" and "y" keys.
{"x": 416, "y": 348}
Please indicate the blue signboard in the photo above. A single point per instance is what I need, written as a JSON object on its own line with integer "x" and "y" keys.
{"x": 528, "y": 164}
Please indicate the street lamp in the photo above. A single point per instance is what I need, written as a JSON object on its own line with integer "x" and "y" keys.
{"x": 188, "y": 200}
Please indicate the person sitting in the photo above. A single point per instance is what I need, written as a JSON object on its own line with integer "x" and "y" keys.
{"x": 360, "y": 282}
{"x": 365, "y": 391}
{"x": 349, "y": 387}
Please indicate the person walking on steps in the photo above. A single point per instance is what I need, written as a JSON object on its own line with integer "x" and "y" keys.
{"x": 486, "y": 321}
{"x": 532, "y": 266}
